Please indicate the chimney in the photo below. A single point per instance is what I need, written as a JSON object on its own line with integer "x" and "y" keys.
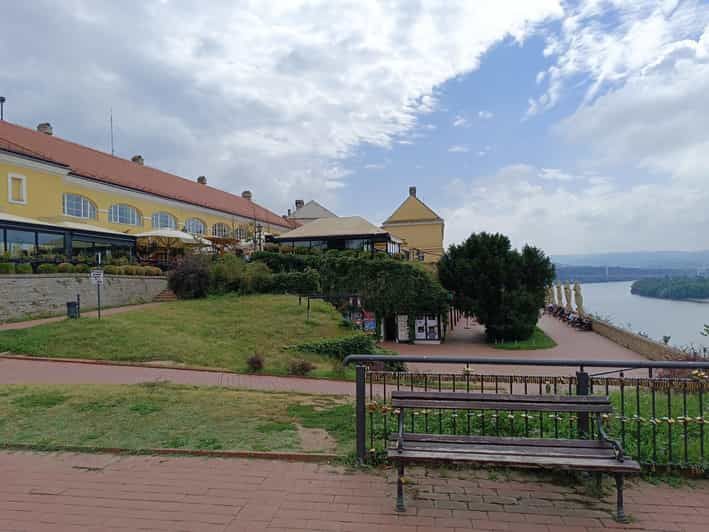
{"x": 202, "y": 180}
{"x": 45, "y": 127}
{"x": 299, "y": 204}
{"x": 412, "y": 191}
{"x": 289, "y": 213}
{"x": 246, "y": 194}
{"x": 138, "y": 159}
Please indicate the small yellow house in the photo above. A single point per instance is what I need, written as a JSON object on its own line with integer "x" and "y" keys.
{"x": 419, "y": 227}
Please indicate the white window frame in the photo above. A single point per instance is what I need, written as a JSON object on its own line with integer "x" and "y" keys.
{"x": 195, "y": 220}
{"x": 23, "y": 188}
{"x": 84, "y": 201}
{"x": 138, "y": 215}
{"x": 158, "y": 215}
{"x": 226, "y": 233}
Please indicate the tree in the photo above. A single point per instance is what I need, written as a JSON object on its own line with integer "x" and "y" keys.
{"x": 502, "y": 287}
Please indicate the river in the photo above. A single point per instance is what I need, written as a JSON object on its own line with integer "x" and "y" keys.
{"x": 683, "y": 321}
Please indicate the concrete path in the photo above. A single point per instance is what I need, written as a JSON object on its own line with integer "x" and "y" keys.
{"x": 88, "y": 314}
{"x": 92, "y": 493}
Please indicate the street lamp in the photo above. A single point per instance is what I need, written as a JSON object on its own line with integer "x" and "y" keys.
{"x": 259, "y": 232}
{"x": 2, "y": 108}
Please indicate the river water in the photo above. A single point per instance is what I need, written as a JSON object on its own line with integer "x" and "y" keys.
{"x": 683, "y": 321}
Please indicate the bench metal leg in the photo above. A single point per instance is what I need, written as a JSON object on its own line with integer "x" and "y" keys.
{"x": 400, "y": 489}
{"x": 620, "y": 515}
{"x": 599, "y": 484}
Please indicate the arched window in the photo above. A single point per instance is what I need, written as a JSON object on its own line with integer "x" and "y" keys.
{"x": 120, "y": 213}
{"x": 242, "y": 232}
{"x": 79, "y": 206}
{"x": 195, "y": 226}
{"x": 164, "y": 220}
{"x": 221, "y": 230}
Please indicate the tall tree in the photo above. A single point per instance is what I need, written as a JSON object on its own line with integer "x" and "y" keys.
{"x": 502, "y": 287}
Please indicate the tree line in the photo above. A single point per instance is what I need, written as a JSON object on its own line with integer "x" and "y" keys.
{"x": 672, "y": 287}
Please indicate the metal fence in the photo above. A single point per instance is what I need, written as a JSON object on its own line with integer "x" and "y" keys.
{"x": 658, "y": 406}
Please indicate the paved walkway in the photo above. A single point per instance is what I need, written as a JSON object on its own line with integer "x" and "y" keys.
{"x": 88, "y": 314}
{"x": 91, "y": 493}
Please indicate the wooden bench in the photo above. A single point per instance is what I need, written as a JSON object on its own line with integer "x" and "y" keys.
{"x": 602, "y": 455}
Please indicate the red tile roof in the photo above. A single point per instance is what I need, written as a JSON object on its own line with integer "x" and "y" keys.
{"x": 93, "y": 164}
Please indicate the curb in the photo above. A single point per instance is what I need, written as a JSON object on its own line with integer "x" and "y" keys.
{"x": 259, "y": 455}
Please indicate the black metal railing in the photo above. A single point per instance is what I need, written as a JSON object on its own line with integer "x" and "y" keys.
{"x": 658, "y": 405}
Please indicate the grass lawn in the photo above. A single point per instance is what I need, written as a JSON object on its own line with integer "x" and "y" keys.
{"x": 538, "y": 340}
{"x": 160, "y": 415}
{"x": 219, "y": 332}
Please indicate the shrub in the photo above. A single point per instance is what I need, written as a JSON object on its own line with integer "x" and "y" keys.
{"x": 153, "y": 271}
{"x": 255, "y": 362}
{"x": 23, "y": 268}
{"x": 307, "y": 282}
{"x": 47, "y": 268}
{"x": 255, "y": 279}
{"x": 226, "y": 274}
{"x": 7, "y": 268}
{"x": 140, "y": 270}
{"x": 82, "y": 268}
{"x": 339, "y": 348}
{"x": 190, "y": 278}
{"x": 131, "y": 270}
{"x": 65, "y": 267}
{"x": 112, "y": 270}
{"x": 300, "y": 367}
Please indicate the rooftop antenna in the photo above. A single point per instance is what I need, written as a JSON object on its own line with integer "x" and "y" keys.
{"x": 2, "y": 108}
{"x": 111, "y": 120}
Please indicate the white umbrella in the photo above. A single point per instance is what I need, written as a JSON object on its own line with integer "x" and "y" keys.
{"x": 173, "y": 236}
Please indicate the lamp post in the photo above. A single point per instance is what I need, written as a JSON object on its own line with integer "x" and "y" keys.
{"x": 259, "y": 233}
{"x": 2, "y": 108}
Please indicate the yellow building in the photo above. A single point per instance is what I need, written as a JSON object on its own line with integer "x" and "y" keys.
{"x": 419, "y": 227}
{"x": 60, "y": 197}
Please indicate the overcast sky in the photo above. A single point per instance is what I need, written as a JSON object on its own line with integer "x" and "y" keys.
{"x": 575, "y": 126}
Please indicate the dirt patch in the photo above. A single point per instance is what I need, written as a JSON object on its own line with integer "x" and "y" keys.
{"x": 316, "y": 440}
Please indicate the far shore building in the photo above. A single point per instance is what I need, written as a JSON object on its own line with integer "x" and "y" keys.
{"x": 309, "y": 212}
{"x": 61, "y": 198}
{"x": 419, "y": 227}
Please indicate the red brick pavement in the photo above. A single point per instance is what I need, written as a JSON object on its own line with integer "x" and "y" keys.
{"x": 74, "y": 492}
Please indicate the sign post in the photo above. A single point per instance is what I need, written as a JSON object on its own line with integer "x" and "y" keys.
{"x": 97, "y": 279}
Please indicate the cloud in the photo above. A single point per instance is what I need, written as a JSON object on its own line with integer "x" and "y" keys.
{"x": 484, "y": 151}
{"x": 554, "y": 174}
{"x": 274, "y": 98}
{"x": 458, "y": 148}
{"x": 375, "y": 166}
{"x": 460, "y": 121}
{"x": 485, "y": 115}
{"x": 582, "y": 214}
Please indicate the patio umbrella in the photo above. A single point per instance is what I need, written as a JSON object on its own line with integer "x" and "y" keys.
{"x": 171, "y": 238}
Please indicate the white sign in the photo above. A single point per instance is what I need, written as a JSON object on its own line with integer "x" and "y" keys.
{"x": 403, "y": 327}
{"x": 96, "y": 276}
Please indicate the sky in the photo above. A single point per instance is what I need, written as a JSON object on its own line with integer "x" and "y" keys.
{"x": 578, "y": 127}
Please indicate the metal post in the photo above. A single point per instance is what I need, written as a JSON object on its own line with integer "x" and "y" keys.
{"x": 361, "y": 413}
{"x": 98, "y": 295}
{"x": 78, "y": 305}
{"x": 308, "y": 308}
{"x": 582, "y": 388}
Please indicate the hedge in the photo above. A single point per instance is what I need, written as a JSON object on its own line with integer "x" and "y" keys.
{"x": 339, "y": 348}
{"x": 7, "y": 268}
{"x": 307, "y": 282}
{"x": 23, "y": 268}
{"x": 65, "y": 267}
{"x": 47, "y": 268}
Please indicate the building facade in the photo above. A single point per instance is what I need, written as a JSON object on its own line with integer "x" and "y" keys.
{"x": 53, "y": 186}
{"x": 309, "y": 212}
{"x": 419, "y": 227}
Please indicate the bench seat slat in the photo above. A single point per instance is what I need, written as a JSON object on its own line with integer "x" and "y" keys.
{"x": 516, "y": 450}
{"x": 547, "y": 462}
{"x": 500, "y": 405}
{"x": 503, "y": 440}
{"x": 515, "y": 398}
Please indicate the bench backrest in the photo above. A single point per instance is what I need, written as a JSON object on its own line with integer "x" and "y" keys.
{"x": 486, "y": 401}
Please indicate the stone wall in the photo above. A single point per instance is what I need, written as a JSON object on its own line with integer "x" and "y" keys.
{"x": 645, "y": 346}
{"x": 29, "y": 296}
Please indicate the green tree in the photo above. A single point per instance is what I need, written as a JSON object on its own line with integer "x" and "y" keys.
{"x": 502, "y": 287}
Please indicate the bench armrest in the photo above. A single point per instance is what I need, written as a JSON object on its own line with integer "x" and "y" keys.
{"x": 400, "y": 437}
{"x": 614, "y": 443}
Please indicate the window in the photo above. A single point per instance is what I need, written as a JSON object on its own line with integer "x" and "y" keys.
{"x": 164, "y": 220}
{"x": 79, "y": 206}
{"x": 17, "y": 189}
{"x": 195, "y": 226}
{"x": 221, "y": 230}
{"x": 124, "y": 214}
{"x": 242, "y": 232}
{"x": 50, "y": 243}
{"x": 20, "y": 243}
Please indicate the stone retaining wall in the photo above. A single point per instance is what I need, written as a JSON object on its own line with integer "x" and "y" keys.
{"x": 30, "y": 296}
{"x": 648, "y": 348}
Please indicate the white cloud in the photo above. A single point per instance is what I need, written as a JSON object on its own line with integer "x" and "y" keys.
{"x": 273, "y": 97}
{"x": 460, "y": 121}
{"x": 375, "y": 166}
{"x": 485, "y": 115}
{"x": 554, "y": 174}
{"x": 458, "y": 148}
{"x": 571, "y": 217}
{"x": 484, "y": 151}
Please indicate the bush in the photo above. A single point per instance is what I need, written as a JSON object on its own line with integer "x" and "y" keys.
{"x": 300, "y": 367}
{"x": 47, "y": 268}
{"x": 190, "y": 278}
{"x": 307, "y": 282}
{"x": 339, "y": 348}
{"x": 226, "y": 274}
{"x": 7, "y": 268}
{"x": 82, "y": 268}
{"x": 23, "y": 268}
{"x": 131, "y": 270}
{"x": 255, "y": 279}
{"x": 112, "y": 270}
{"x": 153, "y": 271}
{"x": 255, "y": 362}
{"x": 140, "y": 270}
{"x": 65, "y": 267}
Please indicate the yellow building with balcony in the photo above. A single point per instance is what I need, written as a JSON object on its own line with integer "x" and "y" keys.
{"x": 58, "y": 197}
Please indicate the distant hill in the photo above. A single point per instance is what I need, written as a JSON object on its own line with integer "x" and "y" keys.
{"x": 662, "y": 260}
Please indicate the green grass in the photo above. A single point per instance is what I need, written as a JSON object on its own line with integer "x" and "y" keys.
{"x": 538, "y": 340}
{"x": 218, "y": 332}
{"x": 160, "y": 415}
